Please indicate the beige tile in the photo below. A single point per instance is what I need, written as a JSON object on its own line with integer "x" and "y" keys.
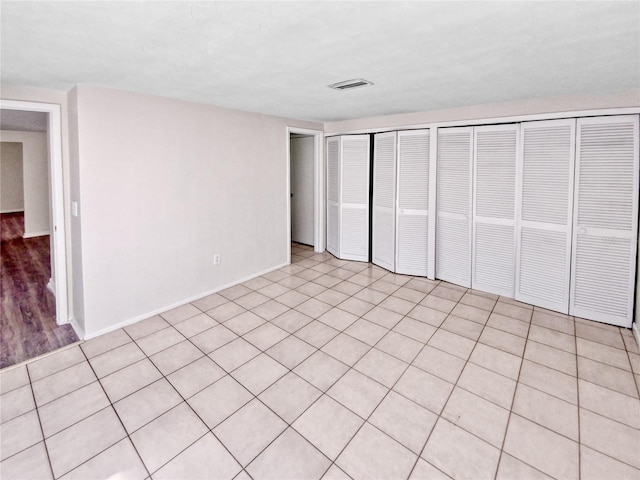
{"x": 596, "y": 466}
{"x": 251, "y": 300}
{"x": 438, "y": 303}
{"x": 469, "y": 312}
{"x": 383, "y": 317}
{"x": 212, "y": 301}
{"x": 328, "y": 425}
{"x": 259, "y": 373}
{"x": 508, "y": 324}
{"x": 332, "y": 297}
{"x": 316, "y": 333}
{"x": 69, "y": 409}
{"x": 358, "y": 393}
{"x": 541, "y": 448}
{"x": 424, "y": 389}
{"x": 195, "y": 325}
{"x": 13, "y": 378}
{"x": 415, "y": 329}
{"x": 63, "y": 382}
{"x": 310, "y": 275}
{"x": 422, "y": 284}
{"x": 404, "y": 421}
{"x": 397, "y": 305}
{"x": 218, "y": 401}
{"x": 382, "y": 367}
{"x": 19, "y": 433}
{"x": 451, "y": 343}
{"x": 266, "y": 336}
{"x": 554, "y": 322}
{"x": 130, "y": 379}
{"x": 423, "y": 470}
{"x": 234, "y": 354}
{"x": 631, "y": 344}
{"x": 550, "y": 381}
{"x": 603, "y": 353}
{"x": 439, "y": 363}
{"x": 428, "y": 315}
{"x": 196, "y": 376}
{"x": 488, "y": 385}
{"x": 346, "y": 349}
{"x": 449, "y": 293}
{"x": 551, "y": 357}
{"x": 146, "y": 327}
{"x": 226, "y": 311}
{"x": 496, "y": 360}
{"x": 274, "y": 290}
{"x": 158, "y": 341}
{"x": 118, "y": 461}
{"x": 313, "y": 308}
{"x": 553, "y": 338}
{"x": 290, "y": 396}
{"x": 400, "y": 346}
{"x": 513, "y": 311}
{"x": 236, "y": 291}
{"x": 478, "y": 416}
{"x": 180, "y": 313}
{"x": 32, "y": 464}
{"x": 346, "y": 287}
{"x": 610, "y": 437}
{"x": 547, "y": 410}
{"x": 292, "y": 321}
{"x": 338, "y": 319}
{"x": 214, "y": 338}
{"x": 460, "y": 454}
{"x": 146, "y": 404}
{"x": 291, "y": 351}
{"x": 116, "y": 359}
{"x": 321, "y": 370}
{"x": 168, "y": 435}
{"x": 327, "y": 281}
{"x": 55, "y": 363}
{"x": 292, "y": 298}
{"x": 461, "y": 326}
{"x": 594, "y": 333}
{"x": 384, "y": 287}
{"x": 409, "y": 294}
{"x": 503, "y": 341}
{"x": 105, "y": 342}
{"x": 369, "y": 295}
{"x": 248, "y": 431}
{"x": 84, "y": 440}
{"x": 634, "y": 360}
{"x": 244, "y": 323}
{"x": 289, "y": 456}
{"x": 270, "y": 310}
{"x": 478, "y": 301}
{"x": 614, "y": 378}
{"x": 206, "y": 458}
{"x": 15, "y": 403}
{"x": 335, "y": 473}
{"x": 175, "y": 357}
{"x": 609, "y": 403}
{"x": 511, "y": 468}
{"x": 356, "y": 306}
{"x": 372, "y": 454}
{"x": 367, "y": 332}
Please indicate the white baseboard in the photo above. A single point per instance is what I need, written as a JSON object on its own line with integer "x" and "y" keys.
{"x": 51, "y": 286}
{"x": 20, "y": 210}
{"x": 636, "y": 332}
{"x": 35, "y": 234}
{"x": 77, "y": 328}
{"x": 137, "y": 318}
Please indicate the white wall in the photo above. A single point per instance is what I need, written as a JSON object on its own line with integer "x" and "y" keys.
{"x": 35, "y": 162}
{"x": 165, "y": 184}
{"x": 11, "y": 178}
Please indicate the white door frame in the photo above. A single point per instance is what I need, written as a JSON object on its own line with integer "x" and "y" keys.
{"x": 318, "y": 188}
{"x": 56, "y": 197}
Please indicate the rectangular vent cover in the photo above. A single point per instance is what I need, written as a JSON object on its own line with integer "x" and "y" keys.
{"x": 349, "y": 84}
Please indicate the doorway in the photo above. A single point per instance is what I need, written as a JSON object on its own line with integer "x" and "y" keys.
{"x": 305, "y": 188}
{"x": 34, "y": 275}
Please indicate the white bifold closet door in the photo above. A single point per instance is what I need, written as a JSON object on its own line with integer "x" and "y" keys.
{"x": 384, "y": 200}
{"x": 605, "y": 220}
{"x": 412, "y": 230}
{"x": 348, "y": 197}
{"x": 493, "y": 254}
{"x": 545, "y": 205}
{"x": 453, "y": 228}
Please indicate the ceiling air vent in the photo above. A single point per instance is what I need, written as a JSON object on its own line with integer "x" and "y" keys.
{"x": 349, "y": 84}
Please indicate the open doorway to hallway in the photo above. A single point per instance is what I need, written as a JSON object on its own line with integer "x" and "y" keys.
{"x": 28, "y": 323}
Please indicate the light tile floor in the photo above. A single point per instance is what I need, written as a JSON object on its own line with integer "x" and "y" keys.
{"x": 332, "y": 369}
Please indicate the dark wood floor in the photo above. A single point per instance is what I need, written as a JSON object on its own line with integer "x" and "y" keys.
{"x": 28, "y": 315}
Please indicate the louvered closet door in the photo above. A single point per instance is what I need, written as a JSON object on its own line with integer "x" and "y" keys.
{"x": 384, "y": 200}
{"x": 413, "y": 203}
{"x": 605, "y": 219}
{"x": 453, "y": 228}
{"x": 333, "y": 195}
{"x": 354, "y": 211}
{"x": 493, "y": 254}
{"x": 545, "y": 193}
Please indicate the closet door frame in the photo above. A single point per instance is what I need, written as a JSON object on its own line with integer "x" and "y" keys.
{"x": 391, "y": 266}
{"x": 331, "y": 248}
{"x": 566, "y": 229}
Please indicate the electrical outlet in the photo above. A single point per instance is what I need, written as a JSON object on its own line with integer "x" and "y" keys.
{"x": 216, "y": 258}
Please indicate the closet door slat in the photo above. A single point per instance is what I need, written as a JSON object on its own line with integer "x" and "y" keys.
{"x": 384, "y": 200}
{"x": 413, "y": 203}
{"x": 333, "y": 195}
{"x": 605, "y": 220}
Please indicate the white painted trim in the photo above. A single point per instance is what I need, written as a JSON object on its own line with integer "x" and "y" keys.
{"x": 36, "y": 234}
{"x": 636, "y": 332}
{"x": 56, "y": 195}
{"x": 496, "y": 120}
{"x": 166, "y": 308}
{"x": 318, "y": 188}
{"x": 51, "y": 286}
{"x": 13, "y": 211}
{"x": 77, "y": 328}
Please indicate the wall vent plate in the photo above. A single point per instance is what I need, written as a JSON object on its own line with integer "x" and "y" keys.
{"x": 350, "y": 84}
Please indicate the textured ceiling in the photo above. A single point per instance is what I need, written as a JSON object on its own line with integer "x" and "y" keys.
{"x": 277, "y": 58}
